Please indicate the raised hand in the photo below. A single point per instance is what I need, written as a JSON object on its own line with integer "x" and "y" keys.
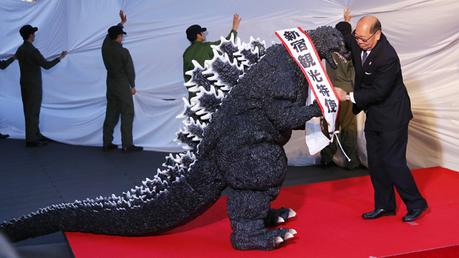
{"x": 123, "y": 17}
{"x": 236, "y": 21}
{"x": 347, "y": 14}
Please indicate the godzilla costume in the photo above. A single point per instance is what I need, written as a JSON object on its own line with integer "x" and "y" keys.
{"x": 249, "y": 98}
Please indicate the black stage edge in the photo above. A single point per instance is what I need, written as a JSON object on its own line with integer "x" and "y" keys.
{"x": 32, "y": 178}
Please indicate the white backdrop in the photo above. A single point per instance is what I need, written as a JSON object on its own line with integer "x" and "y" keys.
{"x": 425, "y": 34}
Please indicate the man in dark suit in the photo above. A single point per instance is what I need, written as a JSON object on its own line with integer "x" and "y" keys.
{"x": 30, "y": 63}
{"x": 3, "y": 65}
{"x": 380, "y": 92}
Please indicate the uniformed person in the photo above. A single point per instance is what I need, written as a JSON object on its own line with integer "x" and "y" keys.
{"x": 343, "y": 77}
{"x": 3, "y": 65}
{"x": 120, "y": 88}
{"x": 30, "y": 63}
{"x": 200, "y": 50}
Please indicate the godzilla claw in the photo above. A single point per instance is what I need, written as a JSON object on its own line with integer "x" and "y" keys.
{"x": 279, "y": 216}
{"x": 288, "y": 235}
{"x": 262, "y": 240}
{"x": 280, "y": 220}
{"x": 278, "y": 240}
{"x": 291, "y": 213}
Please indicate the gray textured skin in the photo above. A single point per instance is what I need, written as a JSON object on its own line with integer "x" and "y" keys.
{"x": 240, "y": 148}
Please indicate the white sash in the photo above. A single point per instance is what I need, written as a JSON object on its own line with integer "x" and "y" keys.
{"x": 300, "y": 47}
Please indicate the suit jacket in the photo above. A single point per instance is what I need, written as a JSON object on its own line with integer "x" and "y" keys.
{"x": 379, "y": 89}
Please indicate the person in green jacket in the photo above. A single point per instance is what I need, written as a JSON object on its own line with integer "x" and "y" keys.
{"x": 201, "y": 50}
{"x": 120, "y": 88}
{"x": 30, "y": 63}
{"x": 343, "y": 77}
{"x": 3, "y": 65}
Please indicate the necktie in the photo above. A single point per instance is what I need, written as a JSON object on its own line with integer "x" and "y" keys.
{"x": 364, "y": 56}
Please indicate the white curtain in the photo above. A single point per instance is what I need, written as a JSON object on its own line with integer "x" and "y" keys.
{"x": 425, "y": 34}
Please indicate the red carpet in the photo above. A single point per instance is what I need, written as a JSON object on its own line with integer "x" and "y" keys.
{"x": 328, "y": 224}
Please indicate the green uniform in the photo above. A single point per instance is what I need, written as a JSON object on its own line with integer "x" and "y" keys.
{"x": 4, "y": 63}
{"x": 120, "y": 80}
{"x": 199, "y": 51}
{"x": 343, "y": 77}
{"x": 30, "y": 63}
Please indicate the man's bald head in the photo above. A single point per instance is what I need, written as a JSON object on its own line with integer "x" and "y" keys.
{"x": 368, "y": 32}
{"x": 370, "y": 22}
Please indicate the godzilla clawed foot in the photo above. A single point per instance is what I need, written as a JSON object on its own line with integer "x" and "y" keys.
{"x": 290, "y": 234}
{"x": 265, "y": 240}
{"x": 279, "y": 216}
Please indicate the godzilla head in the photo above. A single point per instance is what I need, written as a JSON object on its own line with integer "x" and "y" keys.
{"x": 328, "y": 40}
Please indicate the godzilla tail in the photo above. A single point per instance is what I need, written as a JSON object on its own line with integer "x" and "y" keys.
{"x": 172, "y": 198}
{"x": 187, "y": 185}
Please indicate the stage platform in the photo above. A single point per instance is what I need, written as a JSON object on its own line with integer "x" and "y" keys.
{"x": 328, "y": 224}
{"x": 33, "y": 178}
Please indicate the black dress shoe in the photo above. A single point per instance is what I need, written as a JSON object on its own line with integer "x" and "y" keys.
{"x": 413, "y": 214}
{"x": 36, "y": 144}
{"x": 4, "y": 136}
{"x": 378, "y": 213}
{"x": 132, "y": 148}
{"x": 109, "y": 147}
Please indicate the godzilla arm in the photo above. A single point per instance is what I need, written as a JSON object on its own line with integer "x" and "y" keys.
{"x": 286, "y": 115}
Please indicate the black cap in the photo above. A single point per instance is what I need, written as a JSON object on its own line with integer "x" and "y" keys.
{"x": 27, "y": 30}
{"x": 114, "y": 31}
{"x": 344, "y": 27}
{"x": 192, "y": 31}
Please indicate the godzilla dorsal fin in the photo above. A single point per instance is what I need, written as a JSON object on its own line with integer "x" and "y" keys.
{"x": 213, "y": 81}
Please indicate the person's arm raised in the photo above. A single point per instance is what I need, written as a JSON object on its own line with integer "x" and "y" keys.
{"x": 123, "y": 18}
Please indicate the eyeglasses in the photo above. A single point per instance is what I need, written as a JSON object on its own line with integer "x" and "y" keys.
{"x": 362, "y": 39}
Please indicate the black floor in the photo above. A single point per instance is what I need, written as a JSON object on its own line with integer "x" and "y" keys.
{"x": 32, "y": 178}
